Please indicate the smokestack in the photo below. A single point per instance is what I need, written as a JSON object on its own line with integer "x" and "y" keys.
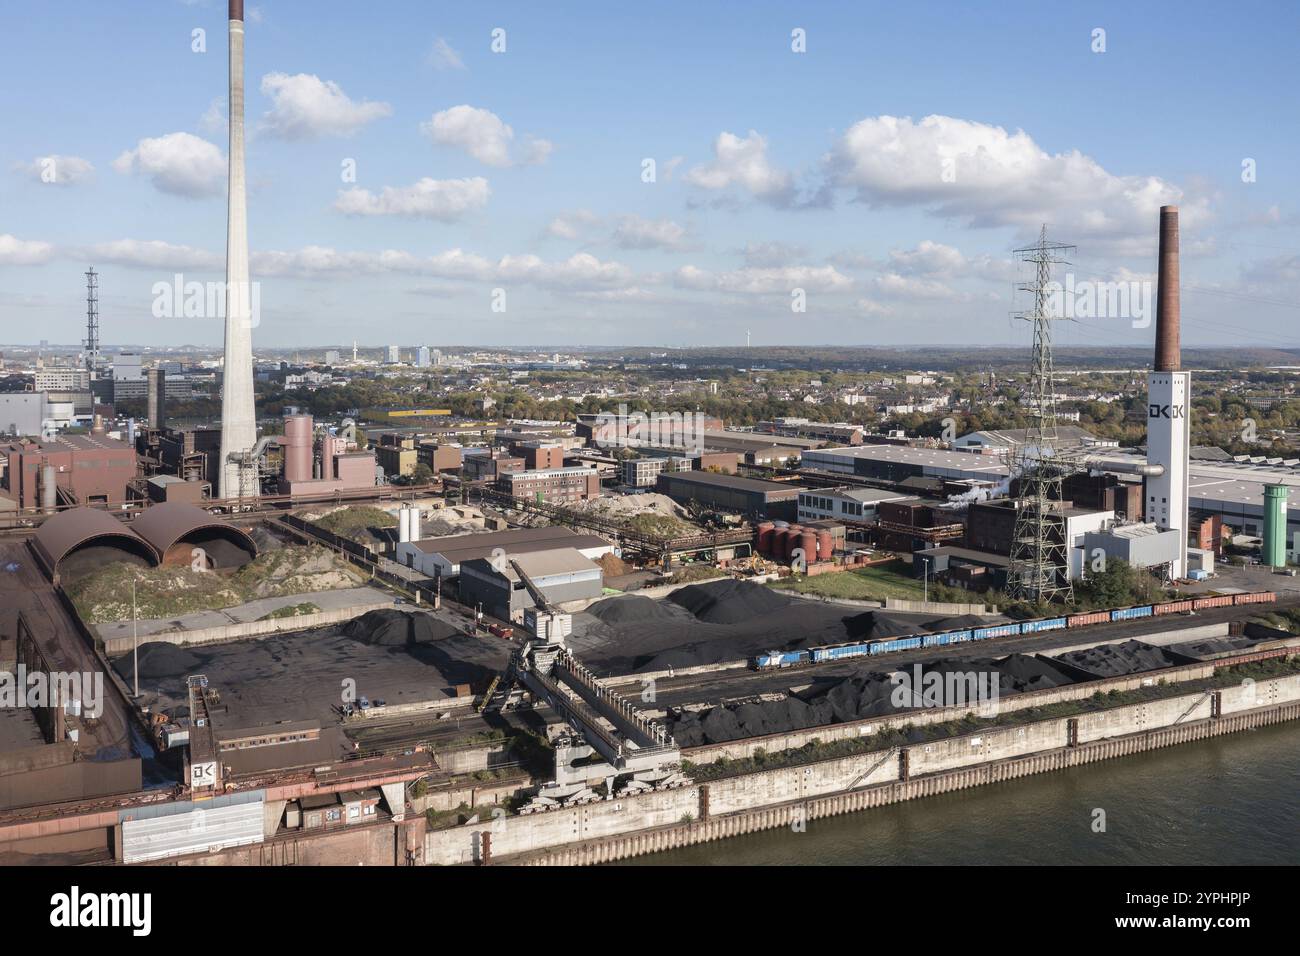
{"x": 1168, "y": 336}
{"x": 238, "y": 419}
{"x": 157, "y": 386}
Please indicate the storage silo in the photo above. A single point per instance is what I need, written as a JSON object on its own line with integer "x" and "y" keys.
{"x": 1275, "y": 503}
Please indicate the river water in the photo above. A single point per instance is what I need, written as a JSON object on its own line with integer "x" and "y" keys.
{"x": 1231, "y": 800}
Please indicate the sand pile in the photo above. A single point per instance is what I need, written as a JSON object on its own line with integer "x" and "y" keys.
{"x": 1116, "y": 660}
{"x": 614, "y": 567}
{"x": 729, "y": 601}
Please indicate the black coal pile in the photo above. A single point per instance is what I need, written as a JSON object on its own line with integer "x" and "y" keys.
{"x": 729, "y": 601}
{"x": 733, "y": 722}
{"x": 630, "y": 609}
{"x": 1213, "y": 646}
{"x": 389, "y": 627}
{"x": 1116, "y": 660}
{"x": 160, "y": 661}
{"x": 1014, "y": 674}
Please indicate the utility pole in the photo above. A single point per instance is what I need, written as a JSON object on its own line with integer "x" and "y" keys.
{"x": 1040, "y": 561}
{"x": 135, "y": 639}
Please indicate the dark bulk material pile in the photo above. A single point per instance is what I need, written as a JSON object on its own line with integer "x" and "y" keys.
{"x": 392, "y": 628}
{"x": 1116, "y": 660}
{"x": 1214, "y": 646}
{"x": 461, "y": 658}
{"x": 158, "y": 660}
{"x": 721, "y": 621}
{"x": 729, "y": 601}
{"x": 630, "y": 609}
{"x": 866, "y": 694}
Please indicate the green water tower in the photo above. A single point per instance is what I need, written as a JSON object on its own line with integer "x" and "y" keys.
{"x": 1275, "y": 525}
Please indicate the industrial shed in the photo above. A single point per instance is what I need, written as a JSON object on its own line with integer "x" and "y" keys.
{"x": 81, "y": 539}
{"x": 175, "y": 529}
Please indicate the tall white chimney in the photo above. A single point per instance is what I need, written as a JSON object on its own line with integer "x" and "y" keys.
{"x": 238, "y": 418}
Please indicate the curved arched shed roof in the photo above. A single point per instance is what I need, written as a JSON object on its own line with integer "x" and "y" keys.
{"x": 61, "y": 534}
{"x": 164, "y": 525}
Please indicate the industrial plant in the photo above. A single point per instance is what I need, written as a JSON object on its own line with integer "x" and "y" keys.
{"x": 355, "y": 602}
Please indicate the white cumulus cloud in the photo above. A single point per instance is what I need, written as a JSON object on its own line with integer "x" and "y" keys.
{"x": 987, "y": 176}
{"x": 56, "y": 170}
{"x": 178, "y": 163}
{"x": 634, "y": 232}
{"x": 23, "y": 252}
{"x": 442, "y": 199}
{"x": 483, "y": 135}
{"x": 744, "y": 163}
{"x": 305, "y": 107}
{"x": 762, "y": 280}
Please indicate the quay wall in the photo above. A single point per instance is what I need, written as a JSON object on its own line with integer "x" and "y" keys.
{"x": 761, "y": 800}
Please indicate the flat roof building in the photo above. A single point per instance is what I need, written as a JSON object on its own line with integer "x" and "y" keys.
{"x": 444, "y": 556}
{"x": 749, "y": 496}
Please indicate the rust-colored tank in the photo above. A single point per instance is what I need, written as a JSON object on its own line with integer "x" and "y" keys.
{"x": 298, "y": 447}
{"x": 808, "y": 542}
{"x": 765, "y": 530}
{"x": 825, "y": 545}
{"x": 780, "y": 541}
{"x": 792, "y": 539}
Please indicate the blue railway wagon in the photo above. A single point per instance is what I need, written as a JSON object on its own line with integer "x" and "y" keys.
{"x": 1049, "y": 624}
{"x": 840, "y": 652}
{"x": 898, "y": 644}
{"x": 960, "y": 637}
{"x": 1131, "y": 613}
{"x": 997, "y": 630}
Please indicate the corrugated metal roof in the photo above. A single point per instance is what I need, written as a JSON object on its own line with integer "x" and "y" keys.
{"x": 61, "y": 533}
{"x": 165, "y": 524}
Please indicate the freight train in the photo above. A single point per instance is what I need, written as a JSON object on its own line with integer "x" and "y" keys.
{"x": 835, "y": 652}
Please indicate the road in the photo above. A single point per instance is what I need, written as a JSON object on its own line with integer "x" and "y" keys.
{"x": 26, "y": 589}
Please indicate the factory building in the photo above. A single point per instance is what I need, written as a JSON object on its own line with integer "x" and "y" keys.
{"x": 747, "y": 496}
{"x": 69, "y": 469}
{"x": 23, "y": 414}
{"x": 898, "y": 462}
{"x": 438, "y": 457}
{"x": 990, "y": 527}
{"x": 850, "y": 505}
{"x": 539, "y": 455}
{"x": 325, "y": 463}
{"x": 644, "y": 472}
{"x": 1008, "y": 440}
{"x": 556, "y": 485}
{"x": 962, "y": 567}
{"x": 561, "y": 575}
{"x": 443, "y": 557}
{"x": 485, "y": 465}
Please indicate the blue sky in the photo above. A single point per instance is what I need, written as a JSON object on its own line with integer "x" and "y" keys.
{"x": 776, "y": 172}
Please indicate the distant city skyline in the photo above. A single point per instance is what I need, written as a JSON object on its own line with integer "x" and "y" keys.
{"x": 882, "y": 177}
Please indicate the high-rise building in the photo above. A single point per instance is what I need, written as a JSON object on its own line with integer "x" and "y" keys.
{"x": 394, "y": 354}
{"x": 422, "y": 357}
